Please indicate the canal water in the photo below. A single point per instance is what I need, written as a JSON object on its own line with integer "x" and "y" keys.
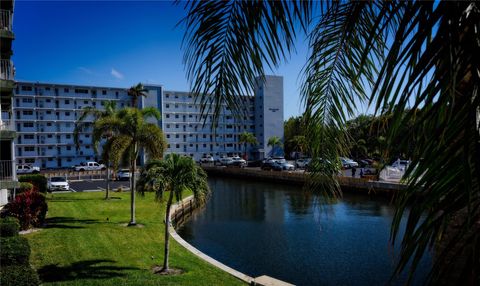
{"x": 277, "y": 230}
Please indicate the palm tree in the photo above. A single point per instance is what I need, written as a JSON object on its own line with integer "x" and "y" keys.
{"x": 397, "y": 56}
{"x": 132, "y": 134}
{"x": 247, "y": 138}
{"x": 81, "y": 125}
{"x": 136, "y": 92}
{"x": 275, "y": 142}
{"x": 173, "y": 176}
{"x": 299, "y": 143}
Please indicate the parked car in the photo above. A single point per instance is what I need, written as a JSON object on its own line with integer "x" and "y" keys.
{"x": 271, "y": 165}
{"x": 257, "y": 163}
{"x": 207, "y": 160}
{"x": 225, "y": 161}
{"x": 90, "y": 166}
{"x": 401, "y": 164}
{"x": 287, "y": 166}
{"x": 123, "y": 175}
{"x": 27, "y": 169}
{"x": 237, "y": 163}
{"x": 302, "y": 163}
{"x": 57, "y": 184}
{"x": 240, "y": 160}
{"x": 348, "y": 163}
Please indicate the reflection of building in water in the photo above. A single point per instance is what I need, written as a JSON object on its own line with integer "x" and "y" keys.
{"x": 243, "y": 201}
{"x": 274, "y": 206}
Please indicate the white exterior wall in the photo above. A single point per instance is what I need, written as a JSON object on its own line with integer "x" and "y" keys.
{"x": 269, "y": 112}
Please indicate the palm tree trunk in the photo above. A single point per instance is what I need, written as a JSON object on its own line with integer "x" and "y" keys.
{"x": 133, "y": 164}
{"x": 107, "y": 190}
{"x": 167, "y": 235}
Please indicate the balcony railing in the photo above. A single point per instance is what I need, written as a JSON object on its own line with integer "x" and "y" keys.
{"x": 7, "y": 170}
{"x": 8, "y": 125}
{"x": 7, "y": 70}
{"x": 6, "y": 20}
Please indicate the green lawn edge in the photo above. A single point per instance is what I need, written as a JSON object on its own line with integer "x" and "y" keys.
{"x": 86, "y": 242}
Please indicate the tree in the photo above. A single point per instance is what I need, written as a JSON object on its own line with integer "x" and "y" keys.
{"x": 299, "y": 143}
{"x": 81, "y": 125}
{"x": 247, "y": 138}
{"x": 131, "y": 134}
{"x": 136, "y": 92}
{"x": 275, "y": 142}
{"x": 173, "y": 176}
{"x": 294, "y": 126}
{"x": 396, "y": 56}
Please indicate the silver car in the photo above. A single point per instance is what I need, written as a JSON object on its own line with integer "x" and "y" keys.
{"x": 58, "y": 184}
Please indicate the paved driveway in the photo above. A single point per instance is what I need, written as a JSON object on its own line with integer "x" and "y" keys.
{"x": 97, "y": 185}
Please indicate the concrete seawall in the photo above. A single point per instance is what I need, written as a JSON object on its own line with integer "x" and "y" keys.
{"x": 348, "y": 184}
{"x": 179, "y": 213}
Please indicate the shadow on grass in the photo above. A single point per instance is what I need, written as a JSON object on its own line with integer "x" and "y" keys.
{"x": 63, "y": 222}
{"x": 87, "y": 269}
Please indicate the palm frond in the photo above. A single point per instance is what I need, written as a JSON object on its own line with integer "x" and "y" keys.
{"x": 228, "y": 42}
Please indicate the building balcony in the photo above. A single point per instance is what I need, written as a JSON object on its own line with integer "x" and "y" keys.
{"x": 6, "y": 20}
{"x": 7, "y": 129}
{"x": 7, "y": 74}
{"x": 8, "y": 177}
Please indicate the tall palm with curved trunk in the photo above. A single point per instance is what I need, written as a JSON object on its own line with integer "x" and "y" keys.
{"x": 132, "y": 134}
{"x": 247, "y": 138}
{"x": 173, "y": 176}
{"x": 136, "y": 92}
{"x": 299, "y": 143}
{"x": 395, "y": 56}
{"x": 81, "y": 125}
{"x": 275, "y": 142}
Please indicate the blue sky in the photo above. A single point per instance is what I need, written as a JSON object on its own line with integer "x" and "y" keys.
{"x": 115, "y": 43}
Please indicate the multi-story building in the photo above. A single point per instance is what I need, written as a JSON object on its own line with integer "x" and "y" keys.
{"x": 45, "y": 116}
{"x": 7, "y": 84}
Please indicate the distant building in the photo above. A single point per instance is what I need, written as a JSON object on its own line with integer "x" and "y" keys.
{"x": 45, "y": 117}
{"x": 8, "y": 178}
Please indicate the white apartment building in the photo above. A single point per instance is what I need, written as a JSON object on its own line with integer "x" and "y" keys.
{"x": 45, "y": 116}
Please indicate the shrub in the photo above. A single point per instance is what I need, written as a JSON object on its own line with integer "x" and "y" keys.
{"x": 18, "y": 275}
{"x": 15, "y": 251}
{"x": 9, "y": 227}
{"x": 30, "y": 208}
{"x": 24, "y": 186}
{"x": 37, "y": 180}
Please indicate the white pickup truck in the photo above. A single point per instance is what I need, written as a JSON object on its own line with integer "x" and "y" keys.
{"x": 90, "y": 166}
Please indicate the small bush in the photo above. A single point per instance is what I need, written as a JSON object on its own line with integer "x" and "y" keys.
{"x": 18, "y": 275}
{"x": 37, "y": 180}
{"x": 15, "y": 251}
{"x": 9, "y": 227}
{"x": 24, "y": 186}
{"x": 30, "y": 208}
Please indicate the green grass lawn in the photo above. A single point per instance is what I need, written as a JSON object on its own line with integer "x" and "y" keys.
{"x": 86, "y": 243}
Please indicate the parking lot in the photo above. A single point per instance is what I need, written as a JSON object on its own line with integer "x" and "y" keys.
{"x": 97, "y": 185}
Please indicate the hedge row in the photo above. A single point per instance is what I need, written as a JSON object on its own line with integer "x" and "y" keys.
{"x": 18, "y": 275}
{"x": 15, "y": 250}
{"x": 37, "y": 180}
{"x": 9, "y": 227}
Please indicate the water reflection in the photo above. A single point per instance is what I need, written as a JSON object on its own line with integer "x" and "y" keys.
{"x": 278, "y": 230}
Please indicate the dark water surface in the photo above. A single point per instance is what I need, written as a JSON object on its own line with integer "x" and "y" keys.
{"x": 277, "y": 230}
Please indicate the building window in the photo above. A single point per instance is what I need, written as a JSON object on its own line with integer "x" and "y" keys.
{"x": 68, "y": 159}
{"x": 28, "y": 112}
{"x": 49, "y": 124}
{"x": 48, "y": 100}
{"x": 81, "y": 90}
{"x": 49, "y": 136}
{"x": 49, "y": 112}
{"x": 67, "y": 101}
{"x": 167, "y": 96}
{"x": 177, "y": 146}
{"x": 229, "y": 145}
{"x": 29, "y": 149}
{"x": 30, "y": 161}
{"x": 67, "y": 113}
{"x": 68, "y": 136}
{"x": 168, "y": 125}
{"x": 87, "y": 135}
{"x": 87, "y": 147}
{"x": 177, "y": 136}
{"x": 168, "y": 146}
{"x": 26, "y": 88}
{"x": 167, "y": 105}
{"x": 167, "y": 116}
{"x": 116, "y": 93}
{"x": 66, "y": 90}
{"x": 27, "y": 100}
{"x": 176, "y": 105}
{"x": 28, "y": 136}
{"x": 204, "y": 145}
{"x": 204, "y": 136}
{"x": 67, "y": 124}
{"x": 50, "y": 147}
{"x": 69, "y": 148}
{"x": 104, "y": 92}
{"x": 176, "y": 115}
{"x": 176, "y": 126}
{"x": 28, "y": 124}
{"x": 50, "y": 159}
{"x": 168, "y": 135}
{"x": 176, "y": 96}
